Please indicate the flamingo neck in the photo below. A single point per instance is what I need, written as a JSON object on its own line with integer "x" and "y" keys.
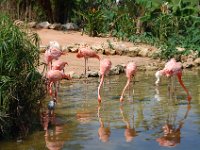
{"x": 97, "y": 56}
{"x": 158, "y": 75}
{"x": 100, "y": 84}
{"x": 66, "y": 76}
{"x": 122, "y": 95}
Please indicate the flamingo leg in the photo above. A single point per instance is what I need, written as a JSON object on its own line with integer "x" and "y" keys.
{"x": 88, "y": 69}
{"x": 50, "y": 88}
{"x": 169, "y": 85}
{"x": 85, "y": 66}
{"x": 56, "y": 84}
{"x": 179, "y": 75}
{"x": 54, "y": 89}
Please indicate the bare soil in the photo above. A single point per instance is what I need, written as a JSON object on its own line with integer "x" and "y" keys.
{"x": 77, "y": 65}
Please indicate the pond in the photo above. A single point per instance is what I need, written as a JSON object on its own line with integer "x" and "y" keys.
{"x": 149, "y": 118}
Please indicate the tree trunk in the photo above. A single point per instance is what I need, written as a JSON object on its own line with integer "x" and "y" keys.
{"x": 139, "y": 26}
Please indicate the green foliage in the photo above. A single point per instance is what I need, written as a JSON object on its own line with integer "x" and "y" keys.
{"x": 93, "y": 21}
{"x": 21, "y": 86}
{"x": 156, "y": 22}
{"x": 123, "y": 27}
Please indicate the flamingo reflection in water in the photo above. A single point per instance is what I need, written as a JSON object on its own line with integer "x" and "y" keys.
{"x": 53, "y": 142}
{"x": 171, "y": 134}
{"x": 103, "y": 132}
{"x": 52, "y": 135}
{"x": 129, "y": 132}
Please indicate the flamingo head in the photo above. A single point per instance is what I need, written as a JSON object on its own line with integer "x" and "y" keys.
{"x": 121, "y": 99}
{"x": 65, "y": 63}
{"x": 79, "y": 54}
{"x": 99, "y": 99}
{"x": 158, "y": 75}
{"x": 168, "y": 73}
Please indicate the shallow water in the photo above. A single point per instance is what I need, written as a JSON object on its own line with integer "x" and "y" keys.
{"x": 149, "y": 118}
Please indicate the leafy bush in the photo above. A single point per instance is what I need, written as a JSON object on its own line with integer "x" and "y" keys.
{"x": 93, "y": 21}
{"x": 21, "y": 86}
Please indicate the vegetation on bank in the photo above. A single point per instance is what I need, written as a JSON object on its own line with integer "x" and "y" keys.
{"x": 21, "y": 86}
{"x": 164, "y": 23}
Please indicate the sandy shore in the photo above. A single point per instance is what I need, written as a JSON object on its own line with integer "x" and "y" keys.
{"x": 76, "y": 64}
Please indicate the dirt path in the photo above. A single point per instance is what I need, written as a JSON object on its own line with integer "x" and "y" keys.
{"x": 77, "y": 65}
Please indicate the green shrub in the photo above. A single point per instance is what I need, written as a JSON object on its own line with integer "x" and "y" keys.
{"x": 21, "y": 86}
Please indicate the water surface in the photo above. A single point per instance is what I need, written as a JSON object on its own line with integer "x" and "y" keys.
{"x": 149, "y": 118}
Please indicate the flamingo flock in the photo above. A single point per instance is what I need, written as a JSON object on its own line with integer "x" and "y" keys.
{"x": 56, "y": 71}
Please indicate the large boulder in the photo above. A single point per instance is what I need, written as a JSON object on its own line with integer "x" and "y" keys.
{"x": 197, "y": 61}
{"x": 43, "y": 25}
{"x": 70, "y": 26}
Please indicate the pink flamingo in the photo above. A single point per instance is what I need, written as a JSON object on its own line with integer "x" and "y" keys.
{"x": 59, "y": 65}
{"x": 54, "y": 76}
{"x": 51, "y": 54}
{"x": 105, "y": 66}
{"x": 172, "y": 68}
{"x": 86, "y": 52}
{"x": 131, "y": 69}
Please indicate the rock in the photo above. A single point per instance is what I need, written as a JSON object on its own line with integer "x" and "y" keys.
{"x": 156, "y": 54}
{"x": 193, "y": 55}
{"x": 75, "y": 76}
{"x": 184, "y": 58}
{"x": 56, "y": 26}
{"x": 97, "y": 48}
{"x": 65, "y": 48}
{"x": 189, "y": 59}
{"x": 117, "y": 70}
{"x": 44, "y": 25}
{"x": 42, "y": 48}
{"x": 73, "y": 49}
{"x": 120, "y": 48}
{"x": 133, "y": 51}
{"x": 143, "y": 52}
{"x": 197, "y": 61}
{"x": 32, "y": 24}
{"x": 188, "y": 64}
{"x": 109, "y": 52}
{"x": 114, "y": 71}
{"x": 70, "y": 26}
{"x": 121, "y": 68}
{"x": 19, "y": 23}
{"x": 92, "y": 74}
